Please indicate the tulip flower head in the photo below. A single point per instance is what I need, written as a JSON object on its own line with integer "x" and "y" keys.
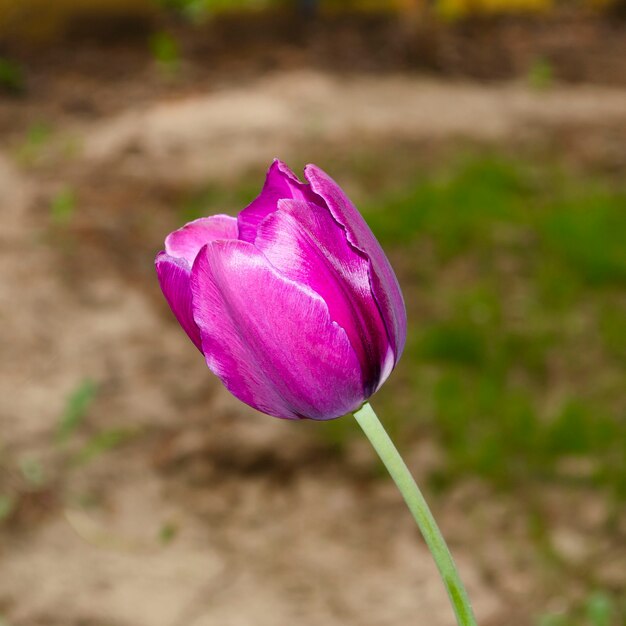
{"x": 293, "y": 303}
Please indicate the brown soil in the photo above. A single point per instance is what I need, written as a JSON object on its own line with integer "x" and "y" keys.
{"x": 579, "y": 46}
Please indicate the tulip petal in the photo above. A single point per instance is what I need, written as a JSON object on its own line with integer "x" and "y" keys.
{"x": 280, "y": 183}
{"x": 174, "y": 264}
{"x": 384, "y": 282}
{"x": 305, "y": 244}
{"x": 174, "y": 275}
{"x": 271, "y": 340}
{"x": 185, "y": 243}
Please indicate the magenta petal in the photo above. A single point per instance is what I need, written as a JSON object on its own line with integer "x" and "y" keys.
{"x": 174, "y": 264}
{"x": 269, "y": 339}
{"x": 174, "y": 276}
{"x": 384, "y": 282}
{"x": 185, "y": 243}
{"x": 280, "y": 183}
{"x": 305, "y": 244}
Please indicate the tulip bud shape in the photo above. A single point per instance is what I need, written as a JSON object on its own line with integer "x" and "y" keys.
{"x": 293, "y": 303}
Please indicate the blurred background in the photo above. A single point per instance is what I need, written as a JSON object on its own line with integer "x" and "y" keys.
{"x": 485, "y": 142}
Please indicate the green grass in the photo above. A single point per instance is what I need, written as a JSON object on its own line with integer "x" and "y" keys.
{"x": 540, "y": 74}
{"x": 599, "y": 608}
{"x": 514, "y": 278}
{"x": 63, "y": 206}
{"x": 11, "y": 76}
{"x": 102, "y": 442}
{"x": 76, "y": 409}
{"x": 165, "y": 51}
{"x": 36, "y": 140}
{"x": 578, "y": 225}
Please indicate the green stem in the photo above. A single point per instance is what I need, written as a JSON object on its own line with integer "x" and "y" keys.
{"x": 376, "y": 433}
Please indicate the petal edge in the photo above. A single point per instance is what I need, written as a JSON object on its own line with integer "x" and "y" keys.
{"x": 174, "y": 277}
{"x": 186, "y": 242}
{"x": 384, "y": 283}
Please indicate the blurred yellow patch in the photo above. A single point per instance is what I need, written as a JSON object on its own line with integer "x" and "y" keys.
{"x": 454, "y": 9}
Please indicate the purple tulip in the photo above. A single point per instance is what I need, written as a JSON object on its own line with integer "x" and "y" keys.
{"x": 293, "y": 303}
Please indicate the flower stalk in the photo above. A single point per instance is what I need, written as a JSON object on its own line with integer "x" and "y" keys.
{"x": 389, "y": 455}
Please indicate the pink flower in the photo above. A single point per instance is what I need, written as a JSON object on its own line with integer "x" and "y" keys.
{"x": 293, "y": 303}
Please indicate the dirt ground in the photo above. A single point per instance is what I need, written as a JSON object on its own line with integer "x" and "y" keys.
{"x": 204, "y": 512}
